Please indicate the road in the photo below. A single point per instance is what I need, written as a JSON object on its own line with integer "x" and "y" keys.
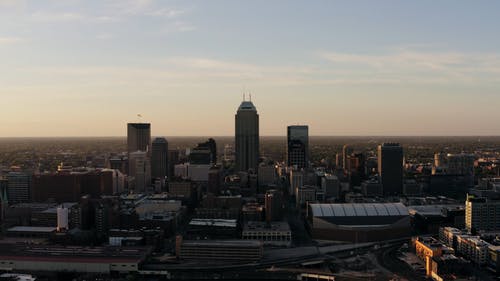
{"x": 279, "y": 257}
{"x": 389, "y": 260}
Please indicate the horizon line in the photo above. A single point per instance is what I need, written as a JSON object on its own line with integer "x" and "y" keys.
{"x": 263, "y": 136}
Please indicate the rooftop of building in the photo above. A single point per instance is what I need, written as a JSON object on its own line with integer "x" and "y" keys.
{"x": 53, "y": 210}
{"x": 477, "y": 199}
{"x": 447, "y": 257}
{"x": 247, "y": 106}
{"x": 222, "y": 243}
{"x": 359, "y": 209}
{"x": 252, "y": 207}
{"x": 132, "y": 196}
{"x": 466, "y": 236}
{"x": 160, "y": 140}
{"x": 331, "y": 177}
{"x": 371, "y": 181}
{"x": 264, "y": 226}
{"x": 224, "y": 196}
{"x": 71, "y": 253}
{"x": 37, "y": 229}
{"x": 70, "y": 171}
{"x": 452, "y": 229}
{"x": 476, "y": 240}
{"x": 232, "y": 223}
{"x": 298, "y": 126}
{"x": 160, "y": 196}
{"x": 430, "y": 242}
{"x": 494, "y": 248}
{"x": 432, "y": 210}
{"x": 391, "y": 144}
{"x": 140, "y": 125}
{"x": 308, "y": 187}
{"x": 156, "y": 216}
{"x": 461, "y": 155}
{"x": 35, "y": 206}
{"x": 17, "y": 277}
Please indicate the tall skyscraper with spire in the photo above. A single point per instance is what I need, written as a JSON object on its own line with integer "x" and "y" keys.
{"x": 247, "y": 137}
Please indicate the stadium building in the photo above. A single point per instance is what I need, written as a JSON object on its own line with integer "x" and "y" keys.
{"x": 359, "y": 222}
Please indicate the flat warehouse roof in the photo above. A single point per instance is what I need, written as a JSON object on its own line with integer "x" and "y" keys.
{"x": 23, "y": 251}
{"x": 31, "y": 229}
{"x": 222, "y": 243}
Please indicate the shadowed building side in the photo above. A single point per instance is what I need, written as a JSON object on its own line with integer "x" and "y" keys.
{"x": 390, "y": 168}
{"x": 159, "y": 158}
{"x": 298, "y": 146}
{"x": 138, "y": 137}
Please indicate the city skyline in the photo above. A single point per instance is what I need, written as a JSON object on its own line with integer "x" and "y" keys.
{"x": 345, "y": 69}
{"x": 249, "y": 140}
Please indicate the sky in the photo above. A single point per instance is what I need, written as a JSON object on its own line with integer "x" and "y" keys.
{"x": 353, "y": 68}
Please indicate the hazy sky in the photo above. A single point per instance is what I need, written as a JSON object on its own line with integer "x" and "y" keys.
{"x": 85, "y": 68}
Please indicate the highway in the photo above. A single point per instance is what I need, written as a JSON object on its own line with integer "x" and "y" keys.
{"x": 276, "y": 258}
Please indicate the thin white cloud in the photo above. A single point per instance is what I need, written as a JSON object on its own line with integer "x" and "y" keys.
{"x": 226, "y": 69}
{"x": 176, "y": 27}
{"x": 48, "y": 17}
{"x": 144, "y": 8}
{"x": 9, "y": 40}
{"x": 168, "y": 19}
{"x": 165, "y": 12}
{"x": 401, "y": 59}
{"x": 104, "y": 36}
{"x": 130, "y": 7}
{"x": 104, "y": 19}
{"x": 420, "y": 66}
{"x": 12, "y": 3}
{"x": 69, "y": 16}
{"x": 446, "y": 69}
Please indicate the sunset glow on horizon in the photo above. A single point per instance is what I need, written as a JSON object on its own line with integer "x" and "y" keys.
{"x": 355, "y": 68}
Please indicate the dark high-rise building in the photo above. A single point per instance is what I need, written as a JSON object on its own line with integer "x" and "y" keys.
{"x": 356, "y": 163}
{"x": 119, "y": 163}
{"x": 139, "y": 170}
{"x": 346, "y": 151}
{"x": 138, "y": 137}
{"x": 204, "y": 154}
{"x": 212, "y": 145}
{"x": 461, "y": 164}
{"x": 200, "y": 156}
{"x": 214, "y": 179}
{"x": 173, "y": 159}
{"x": 70, "y": 187}
{"x": 59, "y": 188}
{"x": 390, "y": 168}
{"x": 274, "y": 205}
{"x": 159, "y": 158}
{"x": 356, "y": 168}
{"x": 101, "y": 218}
{"x": 247, "y": 137}
{"x": 3, "y": 197}
{"x": 298, "y": 146}
{"x": 18, "y": 187}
